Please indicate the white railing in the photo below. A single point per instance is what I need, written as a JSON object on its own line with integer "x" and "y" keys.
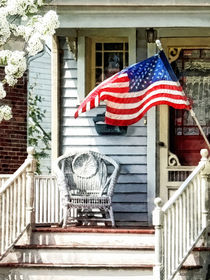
{"x": 48, "y": 207}
{"x": 180, "y": 223}
{"x": 3, "y": 179}
{"x": 47, "y": 200}
{"x": 16, "y": 204}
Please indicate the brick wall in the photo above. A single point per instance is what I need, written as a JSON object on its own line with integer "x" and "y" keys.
{"x": 13, "y": 133}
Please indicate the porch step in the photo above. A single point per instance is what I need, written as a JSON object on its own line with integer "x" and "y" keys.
{"x": 117, "y": 255}
{"x": 94, "y": 237}
{"x": 68, "y": 272}
{"x": 89, "y": 253}
{"x": 83, "y": 253}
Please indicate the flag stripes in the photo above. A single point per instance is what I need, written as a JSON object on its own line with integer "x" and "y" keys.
{"x": 129, "y": 94}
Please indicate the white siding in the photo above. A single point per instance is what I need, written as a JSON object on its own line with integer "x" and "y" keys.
{"x": 40, "y": 80}
{"x": 130, "y": 197}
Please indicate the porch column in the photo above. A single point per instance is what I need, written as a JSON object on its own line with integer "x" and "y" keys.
{"x": 55, "y": 99}
{"x": 151, "y": 148}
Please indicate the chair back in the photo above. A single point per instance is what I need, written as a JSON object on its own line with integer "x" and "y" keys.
{"x": 86, "y": 173}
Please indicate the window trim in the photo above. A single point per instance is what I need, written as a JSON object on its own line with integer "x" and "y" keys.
{"x": 95, "y": 40}
{"x": 128, "y": 33}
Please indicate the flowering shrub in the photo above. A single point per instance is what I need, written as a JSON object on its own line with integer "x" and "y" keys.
{"x": 19, "y": 18}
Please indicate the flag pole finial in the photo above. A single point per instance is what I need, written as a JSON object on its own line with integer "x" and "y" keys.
{"x": 158, "y": 43}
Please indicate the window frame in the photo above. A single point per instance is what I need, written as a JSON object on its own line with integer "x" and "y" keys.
{"x": 83, "y": 65}
{"x": 93, "y": 55}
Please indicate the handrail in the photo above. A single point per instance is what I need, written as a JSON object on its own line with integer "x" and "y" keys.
{"x": 16, "y": 204}
{"x": 181, "y": 221}
{"x": 15, "y": 175}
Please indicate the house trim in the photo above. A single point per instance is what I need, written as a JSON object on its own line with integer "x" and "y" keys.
{"x": 109, "y": 16}
{"x": 55, "y": 100}
{"x": 130, "y": 33}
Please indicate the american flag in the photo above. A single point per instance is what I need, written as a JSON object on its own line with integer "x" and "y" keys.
{"x": 130, "y": 93}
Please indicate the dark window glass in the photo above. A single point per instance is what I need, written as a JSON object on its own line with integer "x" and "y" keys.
{"x": 113, "y": 46}
{"x": 98, "y": 75}
{"x": 98, "y": 46}
{"x": 113, "y": 63}
{"x": 98, "y": 58}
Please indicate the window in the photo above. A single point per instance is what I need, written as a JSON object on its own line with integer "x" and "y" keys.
{"x": 104, "y": 58}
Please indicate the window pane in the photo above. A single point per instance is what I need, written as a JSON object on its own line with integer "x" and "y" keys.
{"x": 113, "y": 63}
{"x": 98, "y": 75}
{"x": 126, "y": 46}
{"x": 98, "y": 59}
{"x": 205, "y": 53}
{"x": 113, "y": 46}
{"x": 126, "y": 60}
{"x": 192, "y": 53}
{"x": 98, "y": 46}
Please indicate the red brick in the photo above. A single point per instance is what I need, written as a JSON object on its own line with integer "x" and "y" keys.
{"x": 13, "y": 133}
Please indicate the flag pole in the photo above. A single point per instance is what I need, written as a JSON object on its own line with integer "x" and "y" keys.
{"x": 158, "y": 43}
{"x": 200, "y": 128}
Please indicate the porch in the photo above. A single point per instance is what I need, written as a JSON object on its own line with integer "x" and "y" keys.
{"x": 32, "y": 239}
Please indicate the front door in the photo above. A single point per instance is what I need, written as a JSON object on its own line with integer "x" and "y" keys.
{"x": 180, "y": 138}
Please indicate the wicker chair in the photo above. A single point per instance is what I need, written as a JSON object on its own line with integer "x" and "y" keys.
{"x": 86, "y": 182}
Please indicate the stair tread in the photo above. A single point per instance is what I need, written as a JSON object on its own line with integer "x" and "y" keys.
{"x": 73, "y": 265}
{"x": 116, "y": 247}
{"x": 95, "y": 230}
{"x": 84, "y": 266}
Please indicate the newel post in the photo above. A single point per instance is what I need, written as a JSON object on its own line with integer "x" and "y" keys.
{"x": 158, "y": 224}
{"x": 205, "y": 180}
{"x": 30, "y": 212}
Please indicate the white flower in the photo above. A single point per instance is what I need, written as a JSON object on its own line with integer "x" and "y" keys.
{"x": 4, "y": 55}
{"x": 11, "y": 80}
{"x": 2, "y": 91}
{"x": 4, "y": 27}
{"x": 50, "y": 23}
{"x": 23, "y": 7}
{"x": 5, "y": 113}
{"x": 35, "y": 44}
{"x": 15, "y": 68}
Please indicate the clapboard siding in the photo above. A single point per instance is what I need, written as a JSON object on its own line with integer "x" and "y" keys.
{"x": 130, "y": 197}
{"x": 40, "y": 80}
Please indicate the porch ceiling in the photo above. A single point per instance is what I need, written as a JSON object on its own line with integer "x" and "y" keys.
{"x": 130, "y": 2}
{"x": 88, "y": 14}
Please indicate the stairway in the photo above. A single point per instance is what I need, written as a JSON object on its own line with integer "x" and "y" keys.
{"x": 56, "y": 254}
{"x": 89, "y": 253}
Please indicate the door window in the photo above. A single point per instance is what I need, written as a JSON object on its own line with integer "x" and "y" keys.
{"x": 193, "y": 70}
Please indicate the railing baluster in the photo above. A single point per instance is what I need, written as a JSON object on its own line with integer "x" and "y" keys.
{"x": 169, "y": 242}
{"x": 22, "y": 202}
{"x": 15, "y": 210}
{"x": 48, "y": 201}
{"x": 11, "y": 217}
{"x": 7, "y": 219}
{"x": 45, "y": 194}
{"x": 166, "y": 230}
{"x": 176, "y": 226}
{"x": 3, "y": 224}
{"x": 184, "y": 226}
{"x": 180, "y": 222}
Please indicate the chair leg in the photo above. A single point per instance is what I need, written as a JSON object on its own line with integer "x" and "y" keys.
{"x": 111, "y": 216}
{"x": 65, "y": 215}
